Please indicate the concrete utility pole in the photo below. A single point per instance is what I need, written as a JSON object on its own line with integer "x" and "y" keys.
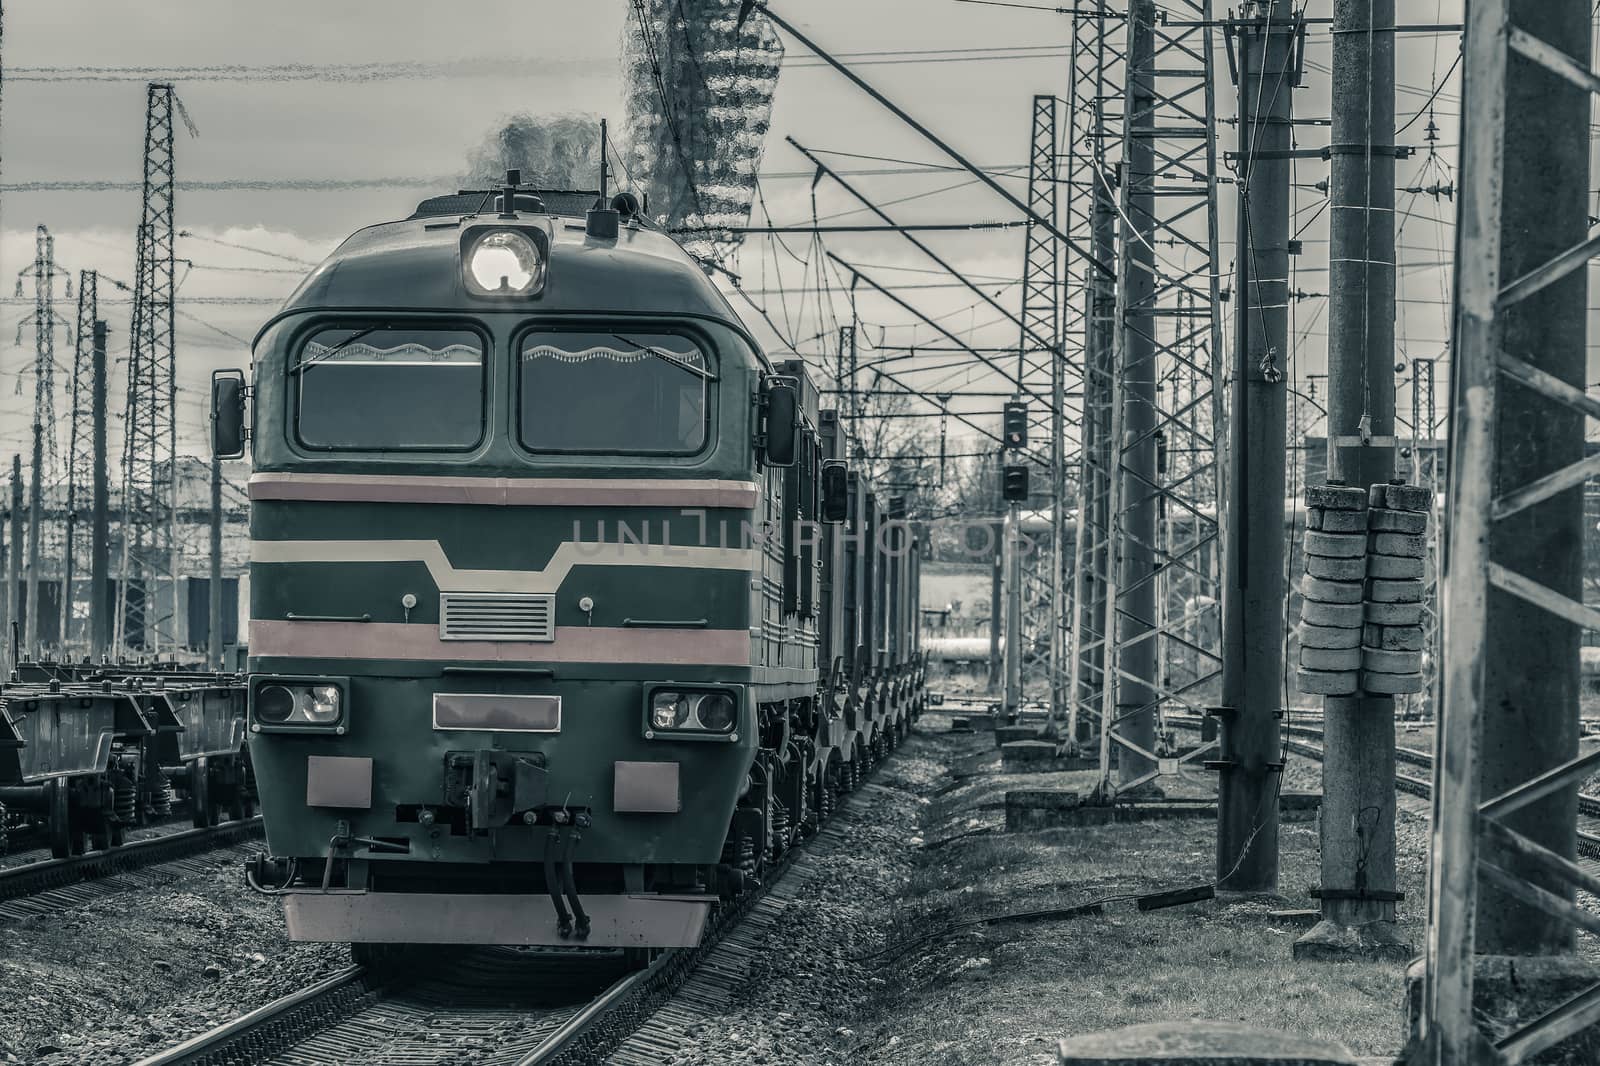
{"x": 214, "y": 585}
{"x": 1011, "y": 700}
{"x": 100, "y": 597}
{"x": 1358, "y": 794}
{"x": 997, "y": 591}
{"x": 1136, "y": 612}
{"x": 1266, "y": 43}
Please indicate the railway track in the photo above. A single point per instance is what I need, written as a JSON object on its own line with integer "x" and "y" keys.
{"x": 41, "y": 887}
{"x": 1588, "y": 804}
{"x": 518, "y": 1007}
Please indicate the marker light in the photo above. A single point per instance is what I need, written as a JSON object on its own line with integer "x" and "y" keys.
{"x": 505, "y": 262}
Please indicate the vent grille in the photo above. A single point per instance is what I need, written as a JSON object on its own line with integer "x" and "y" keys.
{"x": 496, "y": 616}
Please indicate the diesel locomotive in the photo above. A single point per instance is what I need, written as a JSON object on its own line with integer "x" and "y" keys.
{"x": 568, "y": 614}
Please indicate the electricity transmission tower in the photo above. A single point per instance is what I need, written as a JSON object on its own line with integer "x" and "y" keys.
{"x": 149, "y": 544}
{"x": 44, "y": 320}
{"x": 80, "y": 450}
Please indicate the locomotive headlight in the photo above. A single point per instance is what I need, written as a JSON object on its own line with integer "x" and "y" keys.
{"x": 669, "y": 710}
{"x": 322, "y": 704}
{"x": 505, "y": 262}
{"x": 298, "y": 704}
{"x": 692, "y": 713}
{"x": 715, "y": 712}
{"x": 274, "y": 703}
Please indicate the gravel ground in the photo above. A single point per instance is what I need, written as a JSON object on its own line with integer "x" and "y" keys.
{"x": 803, "y": 1002}
{"x": 873, "y": 965}
{"x": 125, "y": 975}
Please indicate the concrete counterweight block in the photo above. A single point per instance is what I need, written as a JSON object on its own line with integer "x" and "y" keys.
{"x": 1383, "y": 520}
{"x": 1315, "y": 588}
{"x": 1336, "y": 497}
{"x": 1390, "y": 684}
{"x": 1416, "y": 498}
{"x": 1394, "y": 568}
{"x": 1380, "y": 591}
{"x": 1198, "y": 1043}
{"x": 1328, "y": 683}
{"x": 1381, "y": 661}
{"x": 1393, "y": 614}
{"x": 1405, "y": 545}
{"x": 1336, "y": 545}
{"x": 1340, "y": 522}
{"x": 1392, "y": 638}
{"x": 1337, "y": 615}
{"x": 1336, "y": 569}
{"x": 1331, "y": 659}
{"x": 1331, "y": 637}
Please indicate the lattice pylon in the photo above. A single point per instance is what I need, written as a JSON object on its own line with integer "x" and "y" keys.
{"x": 45, "y": 538}
{"x": 1153, "y": 497}
{"x": 80, "y": 456}
{"x": 149, "y": 554}
{"x": 1040, "y": 373}
{"x": 1095, "y": 120}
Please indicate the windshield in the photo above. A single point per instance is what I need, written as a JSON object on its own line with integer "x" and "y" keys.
{"x": 621, "y": 391}
{"x": 379, "y": 386}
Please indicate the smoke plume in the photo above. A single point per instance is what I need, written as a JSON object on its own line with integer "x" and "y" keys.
{"x": 552, "y": 151}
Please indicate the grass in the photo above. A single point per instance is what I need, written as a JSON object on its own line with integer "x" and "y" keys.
{"x": 1005, "y": 992}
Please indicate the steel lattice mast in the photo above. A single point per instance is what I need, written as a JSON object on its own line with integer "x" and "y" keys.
{"x": 44, "y": 320}
{"x": 149, "y": 469}
{"x": 1507, "y": 767}
{"x": 1146, "y": 561}
{"x": 80, "y": 450}
{"x": 1098, "y": 62}
{"x": 1038, "y": 594}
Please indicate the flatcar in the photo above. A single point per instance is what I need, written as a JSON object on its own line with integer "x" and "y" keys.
{"x": 568, "y": 615}
{"x": 88, "y": 751}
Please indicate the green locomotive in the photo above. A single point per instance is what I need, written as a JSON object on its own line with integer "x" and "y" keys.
{"x": 567, "y": 615}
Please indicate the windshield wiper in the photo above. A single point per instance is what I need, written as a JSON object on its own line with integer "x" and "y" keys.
{"x": 676, "y": 360}
{"x": 337, "y": 348}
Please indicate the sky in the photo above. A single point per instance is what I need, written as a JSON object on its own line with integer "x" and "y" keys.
{"x": 410, "y": 137}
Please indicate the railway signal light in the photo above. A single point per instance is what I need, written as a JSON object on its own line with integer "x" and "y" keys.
{"x": 1015, "y": 425}
{"x": 1014, "y": 483}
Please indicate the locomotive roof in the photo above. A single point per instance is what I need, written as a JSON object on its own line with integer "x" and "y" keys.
{"x": 415, "y": 264}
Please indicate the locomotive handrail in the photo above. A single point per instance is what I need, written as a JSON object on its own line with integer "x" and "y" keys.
{"x": 665, "y": 623}
{"x": 291, "y": 616}
{"x": 518, "y": 671}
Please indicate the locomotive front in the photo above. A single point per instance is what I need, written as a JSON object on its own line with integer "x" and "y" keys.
{"x": 502, "y": 583}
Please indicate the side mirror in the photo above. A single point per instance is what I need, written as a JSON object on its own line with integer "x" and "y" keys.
{"x": 835, "y": 491}
{"x": 227, "y": 414}
{"x": 783, "y": 421}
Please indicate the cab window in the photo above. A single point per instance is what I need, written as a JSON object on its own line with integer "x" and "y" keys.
{"x": 380, "y": 386}
{"x": 614, "y": 391}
